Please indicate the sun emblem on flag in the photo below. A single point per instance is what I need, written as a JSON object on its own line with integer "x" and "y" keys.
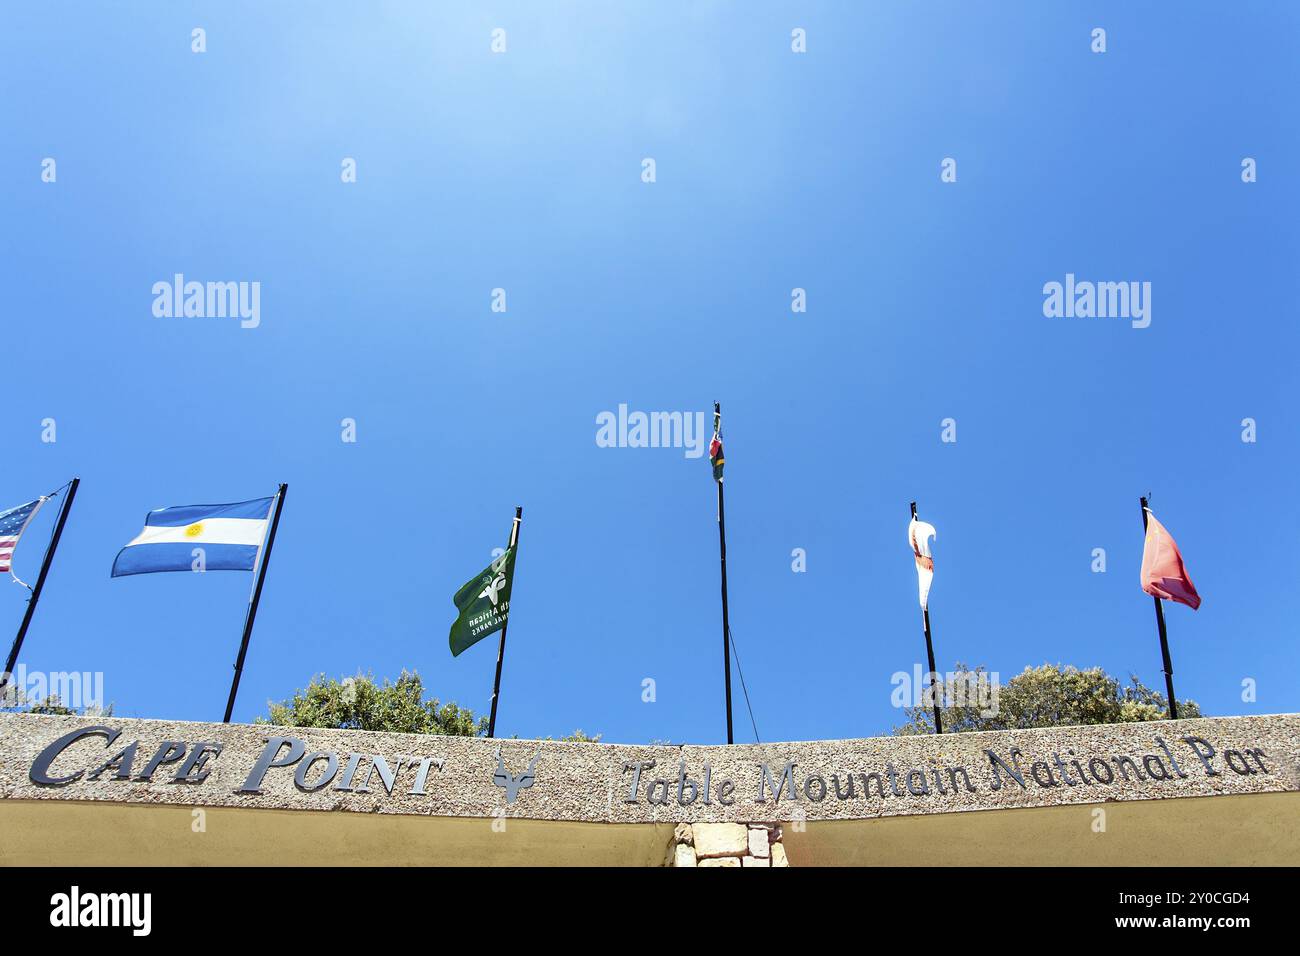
{"x": 194, "y": 530}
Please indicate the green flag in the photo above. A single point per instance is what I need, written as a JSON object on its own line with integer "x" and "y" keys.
{"x": 484, "y": 603}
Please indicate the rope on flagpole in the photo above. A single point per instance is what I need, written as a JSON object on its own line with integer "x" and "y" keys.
{"x": 40, "y": 503}
{"x": 50, "y": 548}
{"x": 743, "y": 689}
{"x": 59, "y": 490}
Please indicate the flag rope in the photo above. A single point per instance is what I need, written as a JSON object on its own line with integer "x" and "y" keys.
{"x": 56, "y": 491}
{"x": 40, "y": 503}
{"x": 42, "y": 499}
{"x": 743, "y": 689}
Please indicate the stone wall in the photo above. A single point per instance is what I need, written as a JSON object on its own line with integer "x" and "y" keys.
{"x": 745, "y": 845}
{"x": 251, "y": 766}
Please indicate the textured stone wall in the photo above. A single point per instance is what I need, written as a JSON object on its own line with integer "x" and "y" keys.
{"x": 727, "y": 844}
{"x": 256, "y": 766}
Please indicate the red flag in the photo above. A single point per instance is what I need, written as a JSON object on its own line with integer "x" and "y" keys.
{"x": 1163, "y": 574}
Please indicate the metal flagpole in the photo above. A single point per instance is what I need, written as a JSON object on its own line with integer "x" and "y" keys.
{"x": 722, "y": 551}
{"x": 501, "y": 648}
{"x": 254, "y": 599}
{"x": 929, "y": 653}
{"x": 40, "y": 581}
{"x": 1164, "y": 640}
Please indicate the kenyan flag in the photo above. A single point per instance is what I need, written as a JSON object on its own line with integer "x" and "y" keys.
{"x": 715, "y": 447}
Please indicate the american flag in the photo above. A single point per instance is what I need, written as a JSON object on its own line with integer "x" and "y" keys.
{"x": 12, "y": 523}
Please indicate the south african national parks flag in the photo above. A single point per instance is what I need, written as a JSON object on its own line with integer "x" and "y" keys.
{"x": 484, "y": 603}
{"x": 715, "y": 448}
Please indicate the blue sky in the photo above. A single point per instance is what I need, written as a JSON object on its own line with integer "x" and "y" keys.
{"x": 775, "y": 170}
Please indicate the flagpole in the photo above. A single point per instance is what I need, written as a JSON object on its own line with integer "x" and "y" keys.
{"x": 254, "y": 599}
{"x": 40, "y": 581}
{"x": 1164, "y": 640}
{"x": 929, "y": 653}
{"x": 501, "y": 648}
{"x": 722, "y": 551}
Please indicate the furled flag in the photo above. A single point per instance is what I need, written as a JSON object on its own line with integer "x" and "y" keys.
{"x": 715, "y": 446}
{"x": 12, "y": 525}
{"x": 1163, "y": 574}
{"x": 484, "y": 603}
{"x": 919, "y": 534}
{"x": 229, "y": 537}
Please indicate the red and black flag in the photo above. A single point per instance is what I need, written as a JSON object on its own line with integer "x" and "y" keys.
{"x": 715, "y": 446}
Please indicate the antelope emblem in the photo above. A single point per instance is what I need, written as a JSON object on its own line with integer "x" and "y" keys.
{"x": 511, "y": 783}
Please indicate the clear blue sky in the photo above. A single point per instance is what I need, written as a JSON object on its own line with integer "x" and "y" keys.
{"x": 774, "y": 170}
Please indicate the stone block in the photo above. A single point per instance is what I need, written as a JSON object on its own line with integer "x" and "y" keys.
{"x": 720, "y": 839}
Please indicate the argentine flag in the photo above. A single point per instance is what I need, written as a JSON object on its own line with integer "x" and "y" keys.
{"x": 230, "y": 536}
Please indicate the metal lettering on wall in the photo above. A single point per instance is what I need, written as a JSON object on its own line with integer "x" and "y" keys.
{"x": 312, "y": 771}
{"x": 188, "y": 763}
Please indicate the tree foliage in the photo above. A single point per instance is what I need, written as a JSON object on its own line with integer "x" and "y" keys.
{"x": 1048, "y": 696}
{"x": 578, "y": 737}
{"x": 360, "y": 703}
{"x": 14, "y": 700}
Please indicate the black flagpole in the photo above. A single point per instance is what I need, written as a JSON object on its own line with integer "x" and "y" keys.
{"x": 1164, "y": 640}
{"x": 501, "y": 649}
{"x": 253, "y": 601}
{"x": 722, "y": 550}
{"x": 929, "y": 653}
{"x": 40, "y": 581}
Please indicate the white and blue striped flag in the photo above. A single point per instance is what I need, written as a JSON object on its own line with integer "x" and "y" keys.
{"x": 230, "y": 537}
